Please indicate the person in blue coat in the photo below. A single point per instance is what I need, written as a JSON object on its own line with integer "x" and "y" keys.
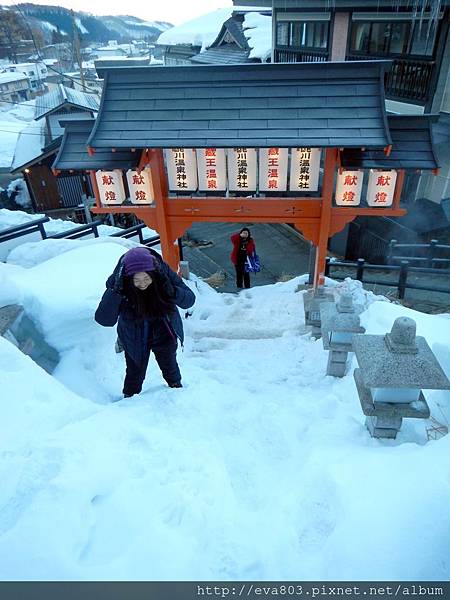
{"x": 142, "y": 295}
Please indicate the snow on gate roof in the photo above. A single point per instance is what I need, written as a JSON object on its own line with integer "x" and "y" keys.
{"x": 329, "y": 104}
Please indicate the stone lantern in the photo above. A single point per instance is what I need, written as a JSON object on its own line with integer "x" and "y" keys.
{"x": 394, "y": 369}
{"x": 340, "y": 322}
{"x": 312, "y": 299}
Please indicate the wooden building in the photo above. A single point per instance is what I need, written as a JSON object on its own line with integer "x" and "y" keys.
{"x": 38, "y": 145}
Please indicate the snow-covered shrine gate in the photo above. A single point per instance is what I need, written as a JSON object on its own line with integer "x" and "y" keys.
{"x": 338, "y": 108}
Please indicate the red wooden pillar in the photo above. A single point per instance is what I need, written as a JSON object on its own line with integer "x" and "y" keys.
{"x": 169, "y": 250}
{"x": 325, "y": 215}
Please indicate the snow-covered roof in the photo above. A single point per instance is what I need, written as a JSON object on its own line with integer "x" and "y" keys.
{"x": 64, "y": 95}
{"x": 258, "y": 31}
{"x": 12, "y": 76}
{"x": 198, "y": 32}
{"x": 29, "y": 144}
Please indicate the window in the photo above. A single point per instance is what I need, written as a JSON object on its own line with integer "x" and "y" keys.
{"x": 303, "y": 34}
{"x": 283, "y": 34}
{"x": 392, "y": 38}
{"x": 423, "y": 38}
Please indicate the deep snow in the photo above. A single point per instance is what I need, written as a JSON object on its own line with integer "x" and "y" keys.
{"x": 259, "y": 468}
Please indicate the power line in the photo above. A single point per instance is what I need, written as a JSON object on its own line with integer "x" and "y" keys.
{"x": 40, "y": 56}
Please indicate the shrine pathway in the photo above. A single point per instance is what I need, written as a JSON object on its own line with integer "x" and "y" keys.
{"x": 283, "y": 253}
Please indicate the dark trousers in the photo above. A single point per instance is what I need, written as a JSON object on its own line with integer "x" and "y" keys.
{"x": 166, "y": 357}
{"x": 241, "y": 276}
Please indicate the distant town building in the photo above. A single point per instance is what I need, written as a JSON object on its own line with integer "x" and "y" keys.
{"x": 14, "y": 87}
{"x": 35, "y": 71}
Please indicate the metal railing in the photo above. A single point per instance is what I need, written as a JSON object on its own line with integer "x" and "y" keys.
{"x": 401, "y": 283}
{"x": 17, "y": 231}
{"x": 430, "y": 253}
{"x": 78, "y": 232}
{"x": 409, "y": 79}
{"x": 137, "y": 230}
{"x": 291, "y": 55}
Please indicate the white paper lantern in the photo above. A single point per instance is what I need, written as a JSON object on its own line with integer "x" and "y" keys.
{"x": 273, "y": 164}
{"x": 241, "y": 169}
{"x": 140, "y": 186}
{"x": 110, "y": 186}
{"x": 381, "y": 187}
{"x": 211, "y": 168}
{"x": 181, "y": 169}
{"x": 305, "y": 167}
{"x": 348, "y": 188}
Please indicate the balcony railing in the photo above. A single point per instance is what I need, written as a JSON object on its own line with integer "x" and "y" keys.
{"x": 300, "y": 55}
{"x": 407, "y": 79}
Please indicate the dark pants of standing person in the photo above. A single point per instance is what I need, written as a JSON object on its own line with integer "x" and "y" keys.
{"x": 166, "y": 357}
{"x": 241, "y": 276}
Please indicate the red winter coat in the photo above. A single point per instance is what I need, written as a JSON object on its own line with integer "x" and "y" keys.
{"x": 235, "y": 240}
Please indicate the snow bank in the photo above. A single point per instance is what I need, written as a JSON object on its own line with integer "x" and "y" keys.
{"x": 259, "y": 468}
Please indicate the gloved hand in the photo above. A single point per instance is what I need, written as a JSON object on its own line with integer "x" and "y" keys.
{"x": 118, "y": 280}
{"x": 165, "y": 284}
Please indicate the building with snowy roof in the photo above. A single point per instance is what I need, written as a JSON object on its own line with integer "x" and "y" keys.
{"x": 14, "y": 87}
{"x": 38, "y": 144}
{"x": 35, "y": 71}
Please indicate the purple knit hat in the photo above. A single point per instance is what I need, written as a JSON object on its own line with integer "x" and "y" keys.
{"x": 138, "y": 260}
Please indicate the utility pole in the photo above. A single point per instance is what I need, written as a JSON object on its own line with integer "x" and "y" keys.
{"x": 77, "y": 52}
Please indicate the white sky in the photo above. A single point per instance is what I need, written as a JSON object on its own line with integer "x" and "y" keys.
{"x": 173, "y": 11}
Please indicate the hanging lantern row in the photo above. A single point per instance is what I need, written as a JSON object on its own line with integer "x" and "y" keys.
{"x": 112, "y": 189}
{"x": 380, "y": 188}
{"x": 236, "y": 169}
{"x": 216, "y": 169}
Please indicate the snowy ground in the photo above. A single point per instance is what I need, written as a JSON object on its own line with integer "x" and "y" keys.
{"x": 259, "y": 468}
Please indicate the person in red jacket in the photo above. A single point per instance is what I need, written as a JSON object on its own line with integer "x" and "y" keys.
{"x": 243, "y": 246}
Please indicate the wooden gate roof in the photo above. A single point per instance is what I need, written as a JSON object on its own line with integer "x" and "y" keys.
{"x": 412, "y": 147}
{"x": 73, "y": 153}
{"x": 328, "y": 104}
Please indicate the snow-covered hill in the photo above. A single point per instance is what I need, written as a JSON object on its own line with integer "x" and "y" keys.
{"x": 92, "y": 28}
{"x": 259, "y": 468}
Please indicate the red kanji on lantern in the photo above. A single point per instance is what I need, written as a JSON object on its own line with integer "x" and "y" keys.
{"x": 110, "y": 195}
{"x": 383, "y": 180}
{"x": 274, "y": 151}
{"x": 211, "y": 174}
{"x": 381, "y": 197}
{"x": 273, "y": 184}
{"x": 348, "y": 196}
{"x": 273, "y": 173}
{"x": 210, "y": 152}
{"x": 212, "y": 184}
{"x": 138, "y": 179}
{"x": 107, "y": 180}
{"x": 210, "y": 162}
{"x": 140, "y": 195}
{"x": 351, "y": 180}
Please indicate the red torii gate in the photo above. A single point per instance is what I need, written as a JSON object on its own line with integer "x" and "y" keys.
{"x": 337, "y": 107}
{"x": 316, "y": 218}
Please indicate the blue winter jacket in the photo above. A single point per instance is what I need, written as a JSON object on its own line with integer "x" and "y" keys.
{"x": 133, "y": 333}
